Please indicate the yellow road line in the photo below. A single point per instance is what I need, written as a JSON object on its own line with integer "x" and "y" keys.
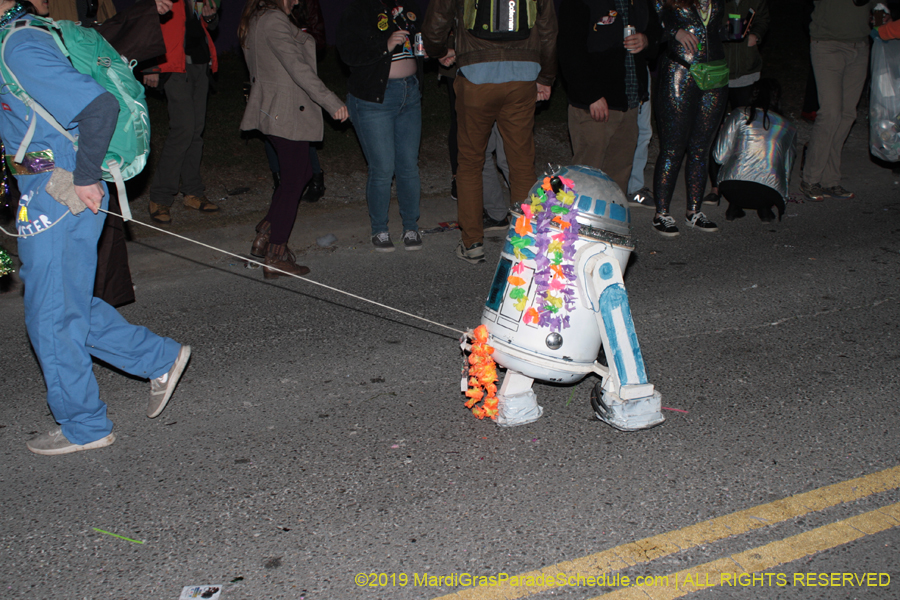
{"x": 651, "y": 548}
{"x": 763, "y": 558}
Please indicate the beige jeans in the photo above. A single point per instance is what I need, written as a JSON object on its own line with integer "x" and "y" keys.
{"x": 606, "y": 146}
{"x": 840, "y": 70}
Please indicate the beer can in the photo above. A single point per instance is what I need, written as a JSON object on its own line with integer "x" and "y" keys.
{"x": 630, "y": 30}
{"x": 419, "y": 45}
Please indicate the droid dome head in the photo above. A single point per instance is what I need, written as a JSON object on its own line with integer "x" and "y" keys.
{"x": 603, "y": 211}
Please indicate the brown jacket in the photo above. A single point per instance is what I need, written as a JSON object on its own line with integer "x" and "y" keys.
{"x": 67, "y": 10}
{"x": 286, "y": 91}
{"x": 442, "y": 16}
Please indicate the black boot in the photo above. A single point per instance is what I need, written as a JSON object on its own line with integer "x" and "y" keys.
{"x": 316, "y": 188}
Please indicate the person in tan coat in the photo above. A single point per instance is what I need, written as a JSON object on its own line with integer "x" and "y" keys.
{"x": 284, "y": 106}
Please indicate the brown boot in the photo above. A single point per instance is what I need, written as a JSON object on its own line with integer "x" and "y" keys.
{"x": 160, "y": 213}
{"x": 281, "y": 257}
{"x": 200, "y": 203}
{"x": 258, "y": 248}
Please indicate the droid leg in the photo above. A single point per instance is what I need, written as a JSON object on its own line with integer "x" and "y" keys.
{"x": 517, "y": 402}
{"x": 625, "y": 399}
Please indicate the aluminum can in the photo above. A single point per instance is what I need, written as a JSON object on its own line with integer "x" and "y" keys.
{"x": 419, "y": 45}
{"x": 630, "y": 30}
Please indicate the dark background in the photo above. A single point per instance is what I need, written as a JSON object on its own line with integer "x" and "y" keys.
{"x": 790, "y": 14}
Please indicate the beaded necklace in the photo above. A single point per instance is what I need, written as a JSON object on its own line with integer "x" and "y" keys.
{"x": 13, "y": 14}
{"x": 704, "y": 8}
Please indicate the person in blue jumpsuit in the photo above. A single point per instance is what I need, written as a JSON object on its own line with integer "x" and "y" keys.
{"x": 58, "y": 244}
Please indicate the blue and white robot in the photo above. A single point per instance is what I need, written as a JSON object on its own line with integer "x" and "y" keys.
{"x": 601, "y": 318}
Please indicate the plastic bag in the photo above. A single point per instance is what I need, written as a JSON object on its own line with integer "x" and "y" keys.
{"x": 884, "y": 101}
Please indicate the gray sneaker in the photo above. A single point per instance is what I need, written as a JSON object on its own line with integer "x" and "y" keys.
{"x": 473, "y": 254}
{"x": 382, "y": 242}
{"x": 643, "y": 197}
{"x": 54, "y": 442}
{"x": 492, "y": 224}
{"x": 839, "y": 193}
{"x": 412, "y": 240}
{"x": 813, "y": 191}
{"x": 161, "y": 388}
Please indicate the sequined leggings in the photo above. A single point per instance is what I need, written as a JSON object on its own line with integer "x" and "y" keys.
{"x": 687, "y": 118}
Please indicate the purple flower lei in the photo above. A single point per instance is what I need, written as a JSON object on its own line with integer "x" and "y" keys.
{"x": 553, "y": 211}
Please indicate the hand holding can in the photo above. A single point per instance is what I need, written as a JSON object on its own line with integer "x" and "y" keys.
{"x": 634, "y": 41}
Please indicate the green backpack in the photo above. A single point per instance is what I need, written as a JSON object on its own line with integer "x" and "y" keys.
{"x": 92, "y": 55}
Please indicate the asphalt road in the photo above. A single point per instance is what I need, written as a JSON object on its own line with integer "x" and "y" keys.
{"x": 315, "y": 437}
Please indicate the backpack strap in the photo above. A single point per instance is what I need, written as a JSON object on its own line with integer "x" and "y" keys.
{"x": 15, "y": 86}
{"x": 113, "y": 168}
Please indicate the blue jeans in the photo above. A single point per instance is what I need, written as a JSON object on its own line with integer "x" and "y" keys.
{"x": 389, "y": 134}
{"x": 641, "y": 153}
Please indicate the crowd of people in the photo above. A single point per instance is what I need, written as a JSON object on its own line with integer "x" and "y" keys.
{"x": 706, "y": 58}
{"x": 498, "y": 59}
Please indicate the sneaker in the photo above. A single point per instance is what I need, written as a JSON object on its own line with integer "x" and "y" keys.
{"x": 813, "y": 191}
{"x": 412, "y": 240}
{"x": 200, "y": 203}
{"x": 473, "y": 254}
{"x": 665, "y": 225}
{"x": 54, "y": 442}
{"x": 382, "y": 242}
{"x": 160, "y": 213}
{"x": 839, "y": 193}
{"x": 712, "y": 198}
{"x": 699, "y": 221}
{"x": 453, "y": 188}
{"x": 491, "y": 224}
{"x": 643, "y": 197}
{"x": 161, "y": 388}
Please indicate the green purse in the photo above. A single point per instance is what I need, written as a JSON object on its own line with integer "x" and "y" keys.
{"x": 710, "y": 75}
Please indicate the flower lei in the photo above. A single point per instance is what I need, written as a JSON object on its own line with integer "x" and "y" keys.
{"x": 552, "y": 208}
{"x": 6, "y": 263}
{"x": 482, "y": 377}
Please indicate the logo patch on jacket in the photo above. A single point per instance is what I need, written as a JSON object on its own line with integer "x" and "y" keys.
{"x": 382, "y": 22}
{"x": 29, "y": 227}
{"x": 607, "y": 20}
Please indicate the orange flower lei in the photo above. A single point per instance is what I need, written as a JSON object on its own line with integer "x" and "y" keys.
{"x": 482, "y": 374}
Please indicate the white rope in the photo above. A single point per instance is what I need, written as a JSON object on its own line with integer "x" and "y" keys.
{"x": 271, "y": 268}
{"x": 27, "y": 235}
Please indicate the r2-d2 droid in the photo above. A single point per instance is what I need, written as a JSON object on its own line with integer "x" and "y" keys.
{"x": 601, "y": 317}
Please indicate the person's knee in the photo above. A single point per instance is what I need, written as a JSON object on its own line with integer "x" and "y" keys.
{"x": 381, "y": 174}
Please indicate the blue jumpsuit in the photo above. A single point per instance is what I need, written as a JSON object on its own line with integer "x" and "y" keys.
{"x": 66, "y": 324}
